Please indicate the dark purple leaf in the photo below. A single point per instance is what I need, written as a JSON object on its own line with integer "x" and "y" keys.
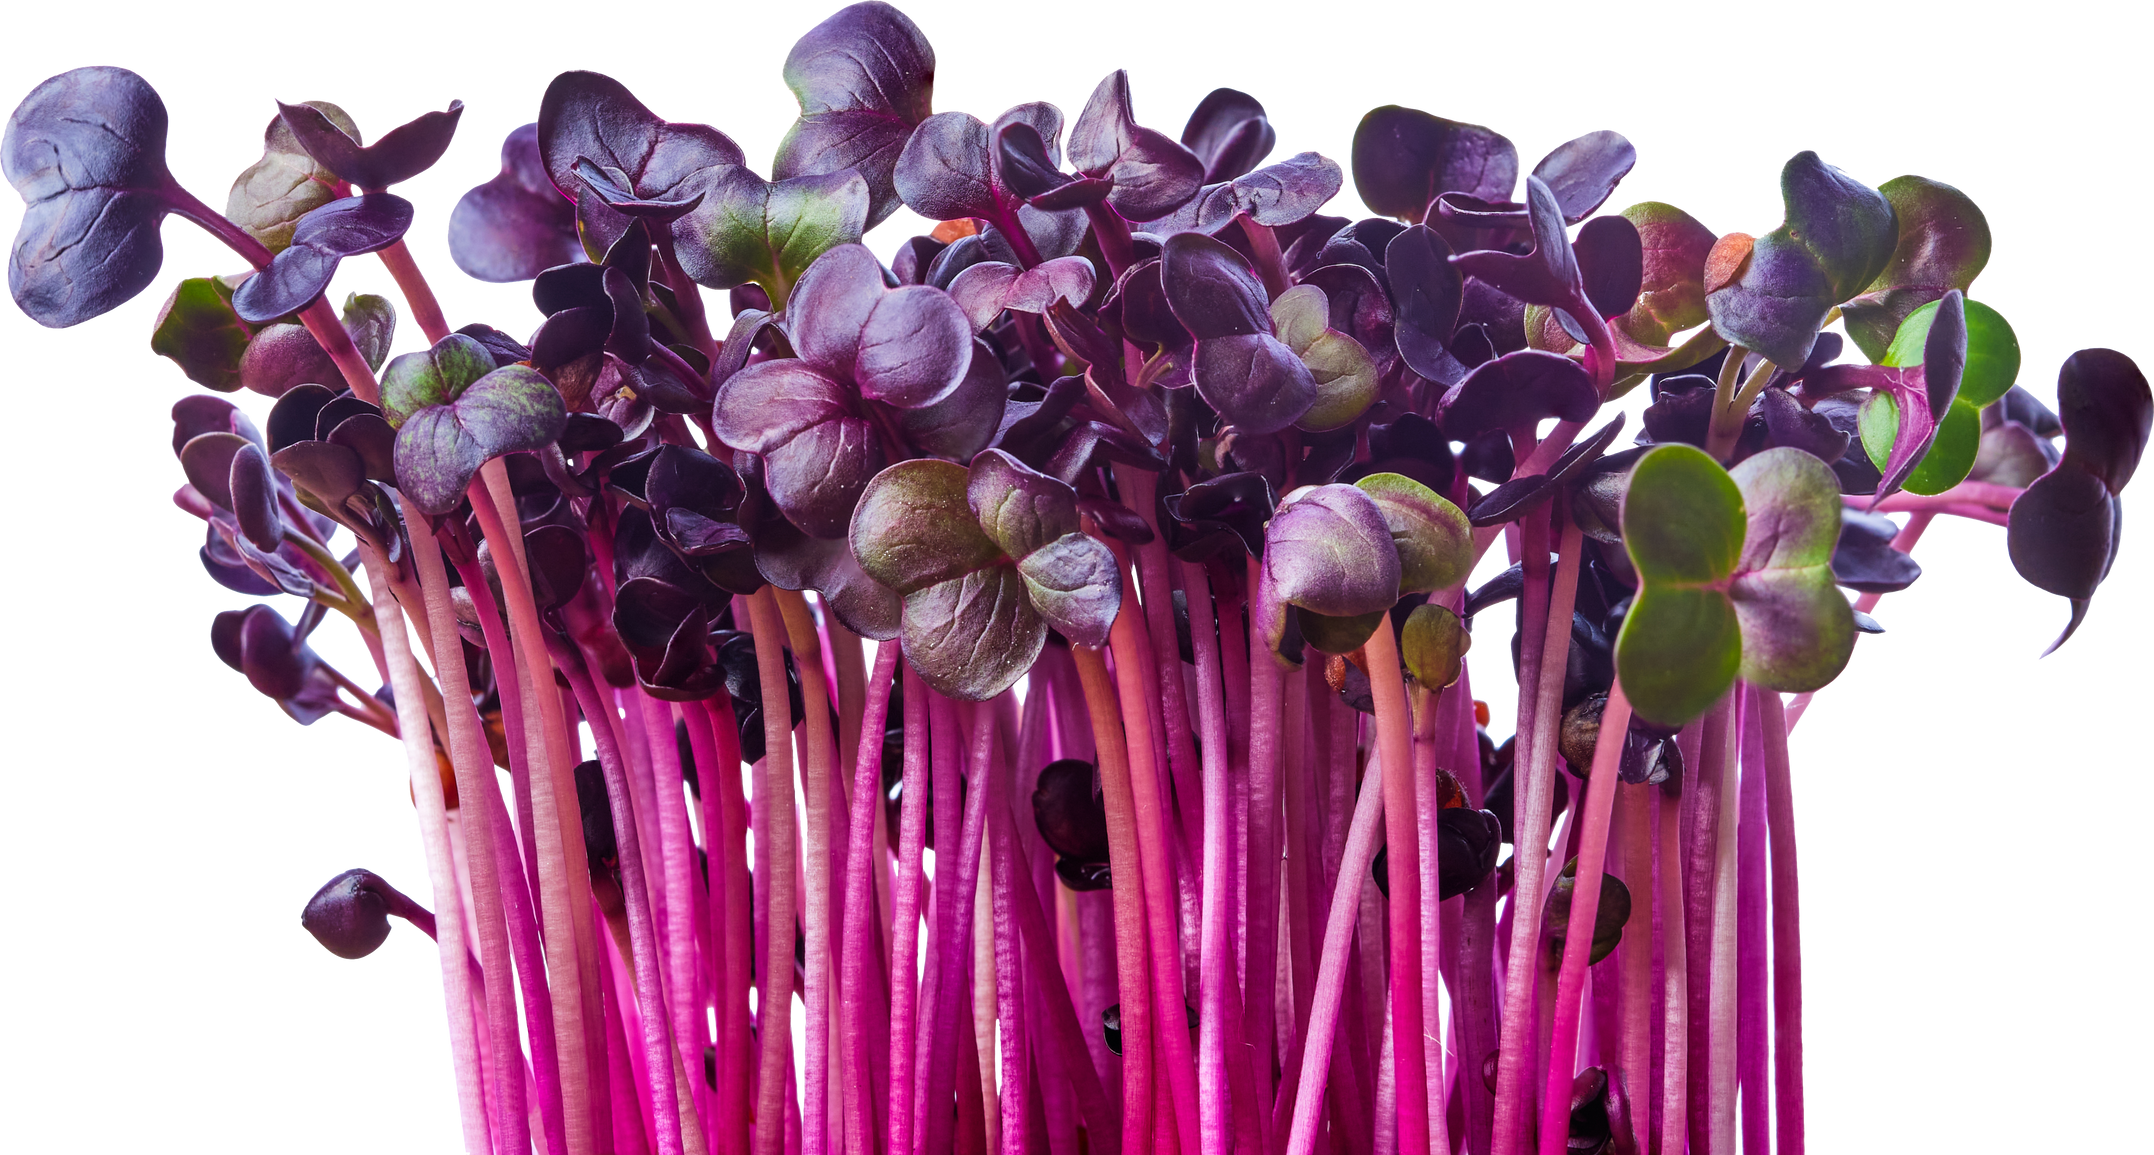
{"x": 588, "y": 115}
{"x": 1153, "y": 174}
{"x": 1229, "y": 133}
{"x": 197, "y": 413}
{"x": 86, "y": 151}
{"x": 1360, "y": 308}
{"x": 1223, "y": 515}
{"x": 1546, "y": 276}
{"x": 1211, "y": 289}
{"x": 252, "y": 491}
{"x": 1611, "y": 262}
{"x": 2104, "y": 406}
{"x": 401, "y": 154}
{"x": 1426, "y": 292}
{"x": 908, "y": 347}
{"x": 865, "y": 78}
{"x": 1583, "y": 172}
{"x": 1517, "y": 390}
{"x": 1788, "y": 423}
{"x": 984, "y": 290}
{"x": 1404, "y": 158}
{"x": 518, "y": 224}
{"x": 617, "y": 189}
{"x": 339, "y": 229}
{"x": 1864, "y": 559}
{"x": 1067, "y": 809}
{"x": 962, "y": 424}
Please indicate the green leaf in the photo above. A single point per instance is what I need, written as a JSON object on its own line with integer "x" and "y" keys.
{"x": 1992, "y": 351}
{"x": 1434, "y": 645}
{"x": 749, "y": 229}
{"x": 1797, "y": 628}
{"x": 441, "y": 446}
{"x": 1682, "y": 517}
{"x": 1338, "y": 635}
{"x": 1678, "y": 652}
{"x": 913, "y": 528}
{"x": 198, "y": 330}
{"x": 1432, "y": 536}
{"x": 286, "y": 184}
{"x": 371, "y": 321}
{"x": 1943, "y": 243}
{"x": 1951, "y": 455}
{"x": 1345, "y": 374}
{"x": 435, "y": 376}
{"x": 1671, "y": 298}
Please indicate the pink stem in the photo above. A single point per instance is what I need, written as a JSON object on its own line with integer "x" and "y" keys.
{"x": 904, "y": 976}
{"x": 1787, "y": 928}
{"x": 1753, "y": 1032}
{"x": 1394, "y": 736}
{"x": 1585, "y": 909}
{"x": 1011, "y": 997}
{"x": 1331, "y": 970}
{"x": 676, "y": 923}
{"x": 775, "y": 842}
{"x": 1262, "y": 716}
{"x": 663, "y": 1099}
{"x": 1214, "y": 967}
{"x": 862, "y": 1118}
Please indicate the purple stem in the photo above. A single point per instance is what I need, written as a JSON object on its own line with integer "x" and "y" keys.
{"x": 629, "y": 1130}
{"x": 663, "y": 1101}
{"x": 1394, "y": 736}
{"x": 863, "y": 1116}
{"x": 1721, "y": 1036}
{"x": 1263, "y": 713}
{"x": 1701, "y": 823}
{"x": 1331, "y": 969}
{"x": 1011, "y": 998}
{"x": 1634, "y": 1062}
{"x": 1674, "y": 1075}
{"x": 953, "y": 994}
{"x": 732, "y": 914}
{"x": 904, "y": 976}
{"x": 775, "y": 843}
{"x": 1214, "y": 967}
{"x": 1787, "y": 927}
{"x": 677, "y": 914}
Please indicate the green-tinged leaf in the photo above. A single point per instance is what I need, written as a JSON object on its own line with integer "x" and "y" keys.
{"x": 441, "y": 446}
{"x": 371, "y": 321}
{"x": 435, "y": 376}
{"x": 749, "y": 229}
{"x": 913, "y": 528}
{"x": 1992, "y": 351}
{"x": 1020, "y": 509}
{"x": 972, "y": 637}
{"x": 1434, "y": 645}
{"x": 1329, "y": 550}
{"x": 286, "y": 184}
{"x": 1678, "y": 652}
{"x": 1682, "y": 517}
{"x": 1838, "y": 236}
{"x": 1075, "y": 584}
{"x": 1609, "y": 914}
{"x": 1338, "y": 635}
{"x": 1346, "y": 381}
{"x": 1944, "y": 242}
{"x": 1432, "y": 536}
{"x": 1300, "y": 315}
{"x": 1672, "y": 296}
{"x": 1797, "y": 628}
{"x": 198, "y": 330}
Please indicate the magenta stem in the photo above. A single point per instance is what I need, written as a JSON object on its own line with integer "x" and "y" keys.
{"x": 1753, "y": 1031}
{"x": 1214, "y": 967}
{"x": 862, "y": 1116}
{"x": 1578, "y": 933}
{"x": 905, "y": 928}
{"x": 775, "y": 842}
{"x": 1787, "y": 927}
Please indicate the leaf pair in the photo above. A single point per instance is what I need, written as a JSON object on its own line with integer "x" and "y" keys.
{"x": 1965, "y": 334}
{"x": 985, "y": 559}
{"x": 1344, "y": 554}
{"x": 1771, "y": 294}
{"x": 1734, "y": 577}
{"x": 859, "y": 343}
{"x": 453, "y": 412}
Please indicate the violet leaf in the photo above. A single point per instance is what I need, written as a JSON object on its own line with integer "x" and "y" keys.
{"x": 1427, "y": 292}
{"x": 518, "y": 224}
{"x": 1515, "y": 391}
{"x": 984, "y": 290}
{"x": 1152, "y": 173}
{"x": 1584, "y": 172}
{"x": 1404, "y": 158}
{"x": 1229, "y": 133}
{"x": 1329, "y": 550}
{"x": 440, "y": 448}
{"x": 1864, "y": 560}
{"x": 401, "y": 154}
{"x": 86, "y": 151}
{"x": 1611, "y": 263}
{"x": 1838, "y": 236}
{"x": 435, "y": 376}
{"x": 342, "y": 228}
{"x": 865, "y": 78}
{"x": 1797, "y": 629}
{"x": 591, "y": 116}
{"x": 1549, "y": 274}
{"x": 1943, "y": 244}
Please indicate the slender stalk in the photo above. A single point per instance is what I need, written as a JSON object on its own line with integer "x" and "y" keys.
{"x": 1675, "y": 985}
{"x": 475, "y": 789}
{"x": 1426, "y": 707}
{"x": 1213, "y": 1102}
{"x": 904, "y": 974}
{"x": 676, "y": 913}
{"x": 564, "y": 887}
{"x": 417, "y": 293}
{"x": 1700, "y": 825}
{"x": 1331, "y": 970}
{"x": 1544, "y": 657}
{"x": 774, "y": 798}
{"x": 729, "y": 863}
{"x": 1585, "y": 908}
{"x": 1125, "y": 865}
{"x": 1394, "y": 737}
{"x": 1011, "y": 996}
{"x": 819, "y": 753}
{"x": 1721, "y": 1039}
{"x": 1153, "y": 850}
{"x": 427, "y": 796}
{"x": 1787, "y": 928}
{"x": 1271, "y": 263}
{"x": 1263, "y": 713}
{"x": 862, "y": 1118}
{"x": 665, "y": 1099}
{"x": 1634, "y": 1061}
{"x": 1753, "y": 1031}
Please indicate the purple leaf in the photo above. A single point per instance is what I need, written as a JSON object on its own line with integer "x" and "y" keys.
{"x": 1583, "y": 172}
{"x": 1517, "y": 390}
{"x": 1546, "y": 276}
{"x": 986, "y": 289}
{"x": 865, "y": 78}
{"x": 342, "y": 228}
{"x": 86, "y": 151}
{"x": 1211, "y": 289}
{"x": 1152, "y": 173}
{"x": 401, "y": 154}
{"x": 1426, "y": 293}
{"x": 1404, "y": 158}
{"x": 1328, "y": 550}
{"x": 588, "y": 115}
{"x": 1229, "y": 133}
{"x": 616, "y": 189}
{"x": 518, "y": 224}
{"x": 1611, "y": 262}
{"x": 908, "y": 347}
